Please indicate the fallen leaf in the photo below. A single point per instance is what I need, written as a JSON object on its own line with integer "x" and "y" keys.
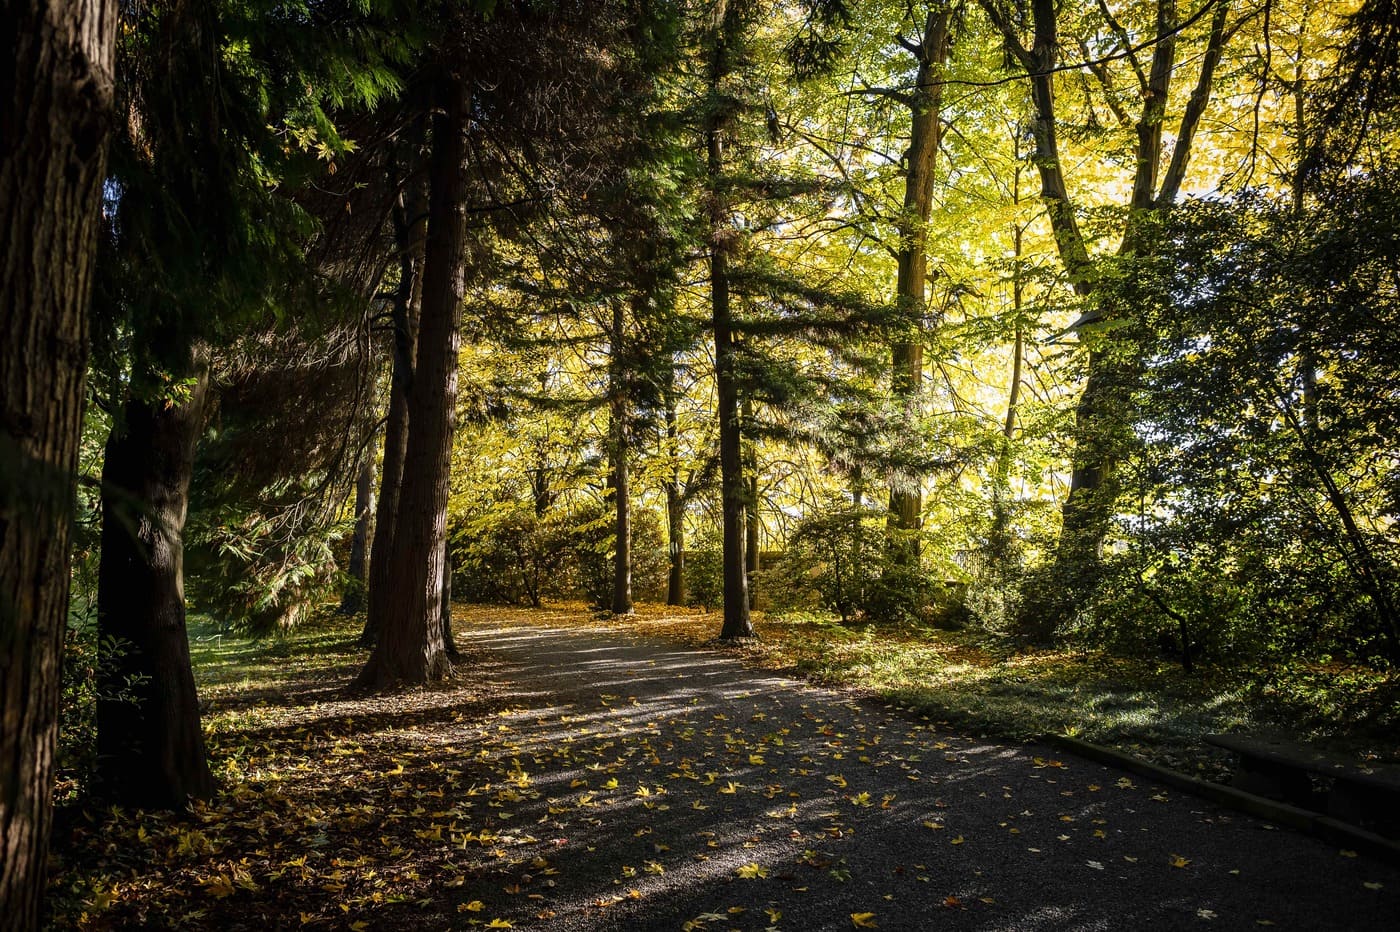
{"x": 863, "y": 920}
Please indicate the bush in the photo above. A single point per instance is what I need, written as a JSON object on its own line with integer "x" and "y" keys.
{"x": 593, "y": 548}
{"x": 508, "y": 554}
{"x": 704, "y": 573}
{"x": 839, "y": 559}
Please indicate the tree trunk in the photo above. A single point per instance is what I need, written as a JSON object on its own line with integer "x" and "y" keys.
{"x": 449, "y": 643}
{"x": 675, "y": 504}
{"x": 410, "y": 225}
{"x": 911, "y": 284}
{"x": 354, "y": 597}
{"x": 622, "y": 499}
{"x": 150, "y": 747}
{"x": 737, "y": 623}
{"x": 53, "y": 143}
{"x": 675, "y": 537}
{"x": 410, "y": 648}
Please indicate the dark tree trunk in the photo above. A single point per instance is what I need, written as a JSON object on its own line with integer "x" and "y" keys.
{"x": 449, "y": 644}
{"x": 150, "y": 748}
{"x": 621, "y": 487}
{"x": 737, "y": 623}
{"x": 675, "y": 505}
{"x": 409, "y": 649}
{"x": 675, "y": 536}
{"x": 622, "y": 559}
{"x": 53, "y": 142}
{"x": 353, "y": 599}
{"x": 911, "y": 284}
{"x": 410, "y": 225}
{"x": 751, "y": 522}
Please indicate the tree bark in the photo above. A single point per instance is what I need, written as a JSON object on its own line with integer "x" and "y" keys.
{"x": 621, "y": 490}
{"x": 752, "y": 527}
{"x": 410, "y": 226}
{"x": 410, "y": 648}
{"x": 354, "y": 597}
{"x": 675, "y": 503}
{"x": 721, "y": 52}
{"x": 54, "y": 121}
{"x": 449, "y": 643}
{"x": 911, "y": 283}
{"x": 150, "y": 747}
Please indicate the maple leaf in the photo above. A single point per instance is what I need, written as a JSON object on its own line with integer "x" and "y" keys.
{"x": 499, "y": 924}
{"x": 475, "y": 906}
{"x": 752, "y": 871}
{"x": 863, "y": 920}
{"x": 1178, "y": 861}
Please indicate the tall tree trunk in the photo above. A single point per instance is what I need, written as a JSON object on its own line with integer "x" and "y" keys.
{"x": 353, "y": 598}
{"x": 621, "y": 490}
{"x": 449, "y": 643}
{"x": 752, "y": 557}
{"x": 53, "y": 144}
{"x": 727, "y": 32}
{"x": 410, "y": 647}
{"x": 675, "y": 503}
{"x": 410, "y": 226}
{"x": 150, "y": 747}
{"x": 911, "y": 284}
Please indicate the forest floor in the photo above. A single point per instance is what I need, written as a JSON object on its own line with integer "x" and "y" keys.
{"x": 628, "y": 778}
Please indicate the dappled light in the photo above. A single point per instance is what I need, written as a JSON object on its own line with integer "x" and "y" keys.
{"x": 618, "y": 781}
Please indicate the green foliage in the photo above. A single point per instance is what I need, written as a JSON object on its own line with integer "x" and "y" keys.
{"x": 508, "y": 554}
{"x": 833, "y": 561}
{"x": 593, "y": 548}
{"x": 704, "y": 571}
{"x": 1259, "y": 514}
{"x": 841, "y": 558}
{"x": 89, "y": 660}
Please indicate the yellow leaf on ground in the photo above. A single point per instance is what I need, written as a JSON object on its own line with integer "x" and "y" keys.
{"x": 752, "y": 871}
{"x": 863, "y": 920}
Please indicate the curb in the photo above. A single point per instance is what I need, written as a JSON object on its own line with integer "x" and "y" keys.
{"x": 1314, "y": 823}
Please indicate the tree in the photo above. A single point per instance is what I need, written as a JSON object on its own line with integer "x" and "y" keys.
{"x": 723, "y": 51}
{"x": 54, "y": 122}
{"x": 925, "y": 103}
{"x": 225, "y": 117}
{"x": 1156, "y": 182}
{"x": 410, "y": 647}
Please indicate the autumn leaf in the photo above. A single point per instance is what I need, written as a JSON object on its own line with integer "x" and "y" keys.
{"x": 1178, "y": 861}
{"x": 863, "y": 920}
{"x": 752, "y": 871}
{"x": 475, "y": 906}
{"x": 499, "y": 924}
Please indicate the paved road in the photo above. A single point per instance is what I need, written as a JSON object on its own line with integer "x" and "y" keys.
{"x": 745, "y": 800}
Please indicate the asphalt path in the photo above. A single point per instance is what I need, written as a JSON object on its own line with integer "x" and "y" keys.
{"x": 671, "y": 788}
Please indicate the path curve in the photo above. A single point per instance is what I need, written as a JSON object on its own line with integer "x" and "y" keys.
{"x": 747, "y": 800}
